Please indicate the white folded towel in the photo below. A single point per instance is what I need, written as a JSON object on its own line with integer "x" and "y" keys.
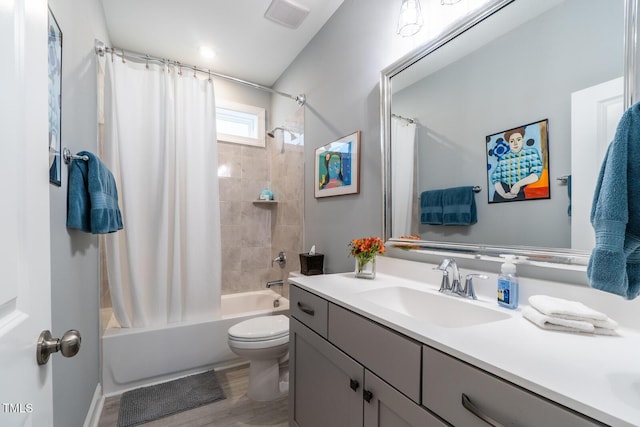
{"x": 565, "y": 325}
{"x": 572, "y": 310}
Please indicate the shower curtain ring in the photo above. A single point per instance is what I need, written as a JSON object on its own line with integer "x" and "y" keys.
{"x": 123, "y": 59}
{"x": 209, "y": 74}
{"x": 147, "y": 63}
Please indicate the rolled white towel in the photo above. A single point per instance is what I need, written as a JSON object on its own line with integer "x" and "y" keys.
{"x": 565, "y": 325}
{"x": 566, "y": 309}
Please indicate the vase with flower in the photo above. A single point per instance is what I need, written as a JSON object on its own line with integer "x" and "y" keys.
{"x": 365, "y": 251}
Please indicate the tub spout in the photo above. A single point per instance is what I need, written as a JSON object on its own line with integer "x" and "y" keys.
{"x": 275, "y": 283}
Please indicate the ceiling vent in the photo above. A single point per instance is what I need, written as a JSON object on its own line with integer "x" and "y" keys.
{"x": 286, "y": 13}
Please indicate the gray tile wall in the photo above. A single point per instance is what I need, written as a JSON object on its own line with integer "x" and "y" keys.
{"x": 253, "y": 234}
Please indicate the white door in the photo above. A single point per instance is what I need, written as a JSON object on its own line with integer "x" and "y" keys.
{"x": 25, "y": 298}
{"x": 595, "y": 113}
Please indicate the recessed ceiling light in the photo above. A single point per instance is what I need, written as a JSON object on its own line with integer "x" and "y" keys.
{"x": 206, "y": 52}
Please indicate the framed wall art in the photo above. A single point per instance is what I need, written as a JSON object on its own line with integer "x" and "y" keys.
{"x": 518, "y": 163}
{"x": 337, "y": 167}
{"x": 55, "y": 100}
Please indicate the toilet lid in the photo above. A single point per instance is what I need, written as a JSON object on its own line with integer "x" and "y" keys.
{"x": 260, "y": 328}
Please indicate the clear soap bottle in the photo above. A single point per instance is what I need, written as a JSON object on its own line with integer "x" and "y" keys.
{"x": 508, "y": 284}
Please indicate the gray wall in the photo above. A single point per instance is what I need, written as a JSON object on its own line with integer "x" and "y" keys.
{"x": 74, "y": 255}
{"x": 522, "y": 77}
{"x": 339, "y": 71}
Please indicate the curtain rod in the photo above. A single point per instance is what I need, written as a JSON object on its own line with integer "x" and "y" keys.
{"x": 411, "y": 121}
{"x": 102, "y": 49}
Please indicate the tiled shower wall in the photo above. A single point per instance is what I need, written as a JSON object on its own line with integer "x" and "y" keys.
{"x": 253, "y": 233}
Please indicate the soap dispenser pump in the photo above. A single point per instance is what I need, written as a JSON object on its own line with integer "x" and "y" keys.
{"x": 508, "y": 288}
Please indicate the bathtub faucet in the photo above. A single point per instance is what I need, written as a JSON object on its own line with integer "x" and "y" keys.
{"x": 275, "y": 283}
{"x": 281, "y": 259}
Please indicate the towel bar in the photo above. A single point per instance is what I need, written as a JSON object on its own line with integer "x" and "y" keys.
{"x": 68, "y": 157}
{"x": 476, "y": 189}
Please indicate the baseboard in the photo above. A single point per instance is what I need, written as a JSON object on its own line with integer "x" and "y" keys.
{"x": 95, "y": 410}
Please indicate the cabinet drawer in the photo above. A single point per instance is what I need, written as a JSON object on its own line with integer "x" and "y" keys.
{"x": 391, "y": 356}
{"x": 445, "y": 380}
{"x": 310, "y": 309}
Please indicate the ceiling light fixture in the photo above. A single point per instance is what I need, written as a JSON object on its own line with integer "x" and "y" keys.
{"x": 448, "y": 2}
{"x": 410, "y": 20}
{"x": 206, "y": 52}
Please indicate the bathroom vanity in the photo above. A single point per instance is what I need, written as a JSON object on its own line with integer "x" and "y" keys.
{"x": 394, "y": 352}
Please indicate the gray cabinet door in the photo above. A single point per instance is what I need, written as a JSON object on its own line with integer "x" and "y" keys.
{"x": 325, "y": 384}
{"x": 387, "y": 407}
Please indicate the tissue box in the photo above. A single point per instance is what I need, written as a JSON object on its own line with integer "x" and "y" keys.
{"x": 310, "y": 265}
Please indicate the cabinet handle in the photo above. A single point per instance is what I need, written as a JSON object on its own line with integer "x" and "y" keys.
{"x": 466, "y": 402}
{"x": 367, "y": 395}
{"x": 354, "y": 384}
{"x": 304, "y": 307}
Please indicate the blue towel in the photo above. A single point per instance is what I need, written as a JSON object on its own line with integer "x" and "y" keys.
{"x": 431, "y": 207}
{"x": 92, "y": 199}
{"x": 614, "y": 265}
{"x": 459, "y": 206}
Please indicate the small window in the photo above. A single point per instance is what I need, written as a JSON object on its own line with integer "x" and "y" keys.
{"x": 240, "y": 123}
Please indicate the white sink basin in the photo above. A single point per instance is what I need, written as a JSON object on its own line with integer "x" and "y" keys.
{"x": 441, "y": 310}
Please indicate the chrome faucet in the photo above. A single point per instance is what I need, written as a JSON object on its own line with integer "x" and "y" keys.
{"x": 281, "y": 259}
{"x": 468, "y": 291}
{"x": 275, "y": 283}
{"x": 447, "y": 286}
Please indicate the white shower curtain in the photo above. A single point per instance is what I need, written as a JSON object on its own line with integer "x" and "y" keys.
{"x": 158, "y": 137}
{"x": 403, "y": 135}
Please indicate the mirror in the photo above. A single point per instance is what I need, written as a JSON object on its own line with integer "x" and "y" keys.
{"x": 512, "y": 64}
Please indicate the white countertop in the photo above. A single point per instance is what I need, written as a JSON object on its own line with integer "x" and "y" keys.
{"x": 598, "y": 376}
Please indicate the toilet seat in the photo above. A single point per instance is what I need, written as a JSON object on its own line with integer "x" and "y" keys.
{"x": 261, "y": 329}
{"x": 259, "y": 344}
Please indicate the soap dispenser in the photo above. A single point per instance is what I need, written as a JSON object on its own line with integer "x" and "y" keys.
{"x": 508, "y": 284}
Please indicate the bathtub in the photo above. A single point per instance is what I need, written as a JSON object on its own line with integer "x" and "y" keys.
{"x": 136, "y": 357}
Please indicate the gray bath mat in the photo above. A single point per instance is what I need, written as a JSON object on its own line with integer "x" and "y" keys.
{"x": 157, "y": 401}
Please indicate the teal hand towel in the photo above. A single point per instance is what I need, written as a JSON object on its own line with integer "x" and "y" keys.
{"x": 614, "y": 265}
{"x": 431, "y": 207}
{"x": 92, "y": 198}
{"x": 459, "y": 206}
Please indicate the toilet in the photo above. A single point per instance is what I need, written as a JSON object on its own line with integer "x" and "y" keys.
{"x": 264, "y": 341}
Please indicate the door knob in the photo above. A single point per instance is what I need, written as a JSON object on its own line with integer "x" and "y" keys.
{"x": 68, "y": 345}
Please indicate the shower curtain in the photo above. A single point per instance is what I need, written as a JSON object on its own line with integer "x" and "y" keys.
{"x": 403, "y": 135}
{"x": 158, "y": 137}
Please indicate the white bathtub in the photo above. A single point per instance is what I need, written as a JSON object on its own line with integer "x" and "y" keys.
{"x": 136, "y": 357}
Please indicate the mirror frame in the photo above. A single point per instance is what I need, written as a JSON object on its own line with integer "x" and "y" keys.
{"x": 555, "y": 257}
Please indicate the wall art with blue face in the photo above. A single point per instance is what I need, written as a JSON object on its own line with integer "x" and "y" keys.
{"x": 518, "y": 163}
{"x": 337, "y": 167}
